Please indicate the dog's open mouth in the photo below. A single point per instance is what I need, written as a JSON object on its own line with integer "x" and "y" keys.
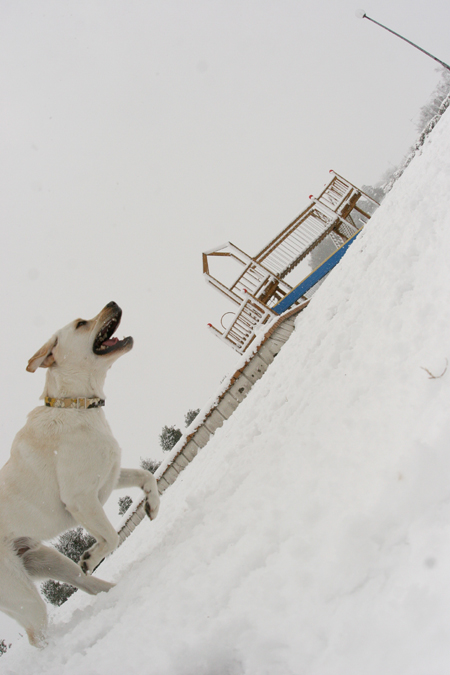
{"x": 104, "y": 342}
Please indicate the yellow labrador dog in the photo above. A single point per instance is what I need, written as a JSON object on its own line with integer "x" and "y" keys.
{"x": 64, "y": 464}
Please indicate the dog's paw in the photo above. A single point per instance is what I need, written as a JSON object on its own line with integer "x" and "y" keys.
{"x": 86, "y": 562}
{"x": 150, "y": 488}
{"x": 37, "y": 638}
{"x": 151, "y": 505}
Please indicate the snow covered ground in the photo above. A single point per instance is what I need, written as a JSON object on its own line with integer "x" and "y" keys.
{"x": 312, "y": 535}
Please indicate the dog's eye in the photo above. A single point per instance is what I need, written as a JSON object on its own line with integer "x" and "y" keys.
{"x": 80, "y": 323}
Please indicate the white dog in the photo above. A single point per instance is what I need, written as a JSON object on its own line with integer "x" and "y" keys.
{"x": 64, "y": 464}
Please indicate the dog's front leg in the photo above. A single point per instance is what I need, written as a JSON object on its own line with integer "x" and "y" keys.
{"x": 89, "y": 513}
{"x": 147, "y": 482}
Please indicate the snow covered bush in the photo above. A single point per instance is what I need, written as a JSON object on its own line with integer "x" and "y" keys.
{"x": 169, "y": 437}
{"x": 190, "y": 416}
{"x": 3, "y": 647}
{"x": 149, "y": 464}
{"x": 124, "y": 504}
{"x": 430, "y": 115}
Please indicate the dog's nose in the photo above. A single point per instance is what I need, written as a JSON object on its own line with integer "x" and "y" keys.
{"x": 112, "y": 304}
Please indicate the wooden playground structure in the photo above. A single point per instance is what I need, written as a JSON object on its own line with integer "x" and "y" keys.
{"x": 261, "y": 291}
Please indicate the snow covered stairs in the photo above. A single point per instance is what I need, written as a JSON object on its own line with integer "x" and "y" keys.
{"x": 232, "y": 392}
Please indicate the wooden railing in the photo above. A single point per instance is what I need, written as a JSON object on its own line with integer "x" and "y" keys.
{"x": 292, "y": 245}
{"x": 254, "y": 279}
{"x": 250, "y": 317}
{"x": 342, "y": 197}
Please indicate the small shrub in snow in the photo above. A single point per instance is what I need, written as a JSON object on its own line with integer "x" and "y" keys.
{"x": 169, "y": 437}
{"x": 430, "y": 115}
{"x": 56, "y": 592}
{"x": 124, "y": 504}
{"x": 190, "y": 416}
{"x": 3, "y": 647}
{"x": 74, "y": 543}
{"x": 149, "y": 464}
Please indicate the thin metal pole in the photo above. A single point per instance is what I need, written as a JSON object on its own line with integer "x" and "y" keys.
{"x": 364, "y": 16}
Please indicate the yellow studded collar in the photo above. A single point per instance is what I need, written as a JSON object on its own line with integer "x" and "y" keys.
{"x": 79, "y": 403}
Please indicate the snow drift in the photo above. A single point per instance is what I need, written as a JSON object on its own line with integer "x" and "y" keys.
{"x": 312, "y": 535}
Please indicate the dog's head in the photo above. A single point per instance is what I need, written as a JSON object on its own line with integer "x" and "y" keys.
{"x": 83, "y": 346}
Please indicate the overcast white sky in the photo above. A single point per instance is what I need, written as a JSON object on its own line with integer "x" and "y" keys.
{"x": 136, "y": 135}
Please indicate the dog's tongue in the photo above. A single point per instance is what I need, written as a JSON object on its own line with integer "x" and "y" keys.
{"x": 110, "y": 342}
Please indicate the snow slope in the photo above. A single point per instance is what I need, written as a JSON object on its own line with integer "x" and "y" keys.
{"x": 312, "y": 535}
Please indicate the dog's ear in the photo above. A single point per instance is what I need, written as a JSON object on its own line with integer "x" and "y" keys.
{"x": 44, "y": 357}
